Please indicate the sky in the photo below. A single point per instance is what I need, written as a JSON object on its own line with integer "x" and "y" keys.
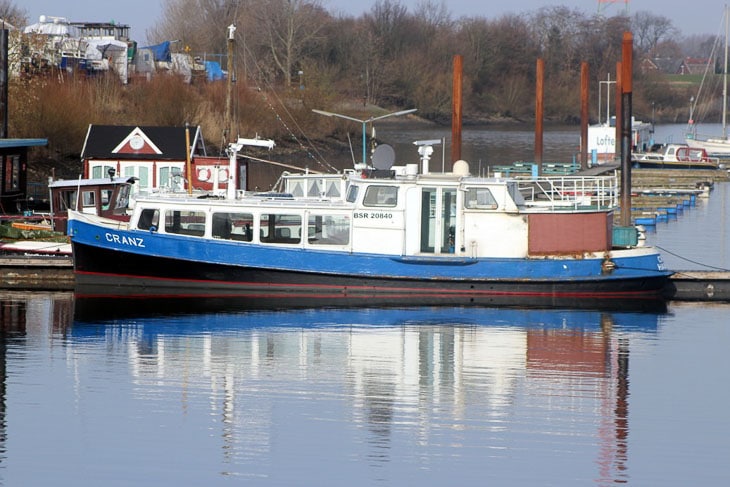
{"x": 704, "y": 16}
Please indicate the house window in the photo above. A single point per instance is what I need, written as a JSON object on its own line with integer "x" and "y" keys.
{"x": 171, "y": 177}
{"x": 101, "y": 171}
{"x": 141, "y": 172}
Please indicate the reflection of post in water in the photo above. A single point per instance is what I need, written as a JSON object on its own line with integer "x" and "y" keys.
{"x": 12, "y": 325}
{"x": 622, "y": 405}
{"x": 615, "y": 420}
{"x": 17, "y": 309}
{"x": 597, "y": 357}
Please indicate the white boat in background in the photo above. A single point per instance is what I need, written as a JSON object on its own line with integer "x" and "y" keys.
{"x": 715, "y": 146}
{"x": 602, "y": 139}
{"x": 36, "y": 247}
{"x": 603, "y": 144}
{"x": 675, "y": 156}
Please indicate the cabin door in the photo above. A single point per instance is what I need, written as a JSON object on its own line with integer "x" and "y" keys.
{"x": 438, "y": 220}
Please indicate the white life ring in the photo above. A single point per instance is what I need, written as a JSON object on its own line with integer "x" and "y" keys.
{"x": 203, "y": 174}
{"x": 222, "y": 174}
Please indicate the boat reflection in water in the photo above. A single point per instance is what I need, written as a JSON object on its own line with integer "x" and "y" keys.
{"x": 404, "y": 384}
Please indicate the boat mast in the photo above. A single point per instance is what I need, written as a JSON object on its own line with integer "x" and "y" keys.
{"x": 228, "y": 128}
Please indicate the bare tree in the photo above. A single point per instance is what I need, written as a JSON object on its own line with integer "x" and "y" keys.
{"x": 12, "y": 14}
{"x": 650, "y": 30}
{"x": 557, "y": 30}
{"x": 288, "y": 28}
{"x": 198, "y": 25}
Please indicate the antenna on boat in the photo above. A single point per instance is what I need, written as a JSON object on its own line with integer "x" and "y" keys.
{"x": 233, "y": 149}
{"x": 383, "y": 157}
{"x": 364, "y": 125}
{"x": 425, "y": 149}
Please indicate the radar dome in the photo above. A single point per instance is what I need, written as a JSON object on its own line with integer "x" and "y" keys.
{"x": 461, "y": 168}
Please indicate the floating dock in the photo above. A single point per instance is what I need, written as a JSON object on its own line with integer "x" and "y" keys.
{"x": 699, "y": 286}
{"x": 36, "y": 273}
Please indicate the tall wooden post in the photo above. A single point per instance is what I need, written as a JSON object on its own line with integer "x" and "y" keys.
{"x": 626, "y": 95}
{"x": 456, "y": 110}
{"x": 584, "y": 115}
{"x": 618, "y": 103}
{"x": 539, "y": 109}
{"x": 188, "y": 162}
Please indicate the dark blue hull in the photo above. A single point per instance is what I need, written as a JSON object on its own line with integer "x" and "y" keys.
{"x": 103, "y": 273}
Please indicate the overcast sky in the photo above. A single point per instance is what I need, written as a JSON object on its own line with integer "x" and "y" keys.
{"x": 697, "y": 17}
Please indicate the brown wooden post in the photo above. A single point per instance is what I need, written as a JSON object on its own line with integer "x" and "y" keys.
{"x": 539, "y": 108}
{"x": 456, "y": 110}
{"x": 618, "y": 103}
{"x": 584, "y": 93}
{"x": 188, "y": 162}
{"x": 626, "y": 94}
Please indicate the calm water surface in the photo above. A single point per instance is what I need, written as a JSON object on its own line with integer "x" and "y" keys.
{"x": 425, "y": 396}
{"x": 364, "y": 397}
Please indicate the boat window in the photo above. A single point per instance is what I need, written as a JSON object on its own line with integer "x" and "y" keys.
{"x": 68, "y": 200}
{"x": 106, "y": 198}
{"x": 352, "y": 193}
{"x": 233, "y": 226}
{"x": 280, "y": 228}
{"x": 313, "y": 190}
{"x": 328, "y": 229}
{"x": 295, "y": 188}
{"x": 120, "y": 206}
{"x": 88, "y": 202}
{"x": 333, "y": 189}
{"x": 185, "y": 222}
{"x": 381, "y": 196}
{"x": 479, "y": 199}
{"x": 89, "y": 197}
{"x": 148, "y": 218}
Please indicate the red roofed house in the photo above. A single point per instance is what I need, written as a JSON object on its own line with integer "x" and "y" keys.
{"x": 161, "y": 158}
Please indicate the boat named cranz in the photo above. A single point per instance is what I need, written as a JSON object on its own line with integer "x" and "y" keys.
{"x": 389, "y": 235}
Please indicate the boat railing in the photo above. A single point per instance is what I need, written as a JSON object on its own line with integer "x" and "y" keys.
{"x": 570, "y": 192}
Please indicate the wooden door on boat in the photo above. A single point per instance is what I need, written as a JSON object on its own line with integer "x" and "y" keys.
{"x": 438, "y": 220}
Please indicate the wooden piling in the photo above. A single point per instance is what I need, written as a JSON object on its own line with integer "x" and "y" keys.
{"x": 584, "y": 116}
{"x": 456, "y": 104}
{"x": 539, "y": 108}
